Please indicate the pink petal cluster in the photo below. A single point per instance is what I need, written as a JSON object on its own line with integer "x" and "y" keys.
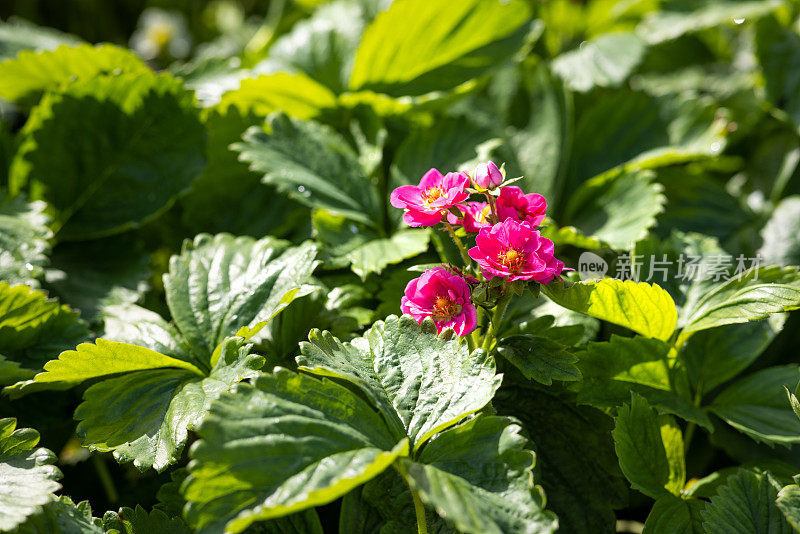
{"x": 442, "y": 296}
{"x": 426, "y": 203}
{"x": 514, "y": 204}
{"x": 515, "y": 250}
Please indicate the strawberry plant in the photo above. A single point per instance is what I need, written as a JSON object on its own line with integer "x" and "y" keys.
{"x": 374, "y": 266}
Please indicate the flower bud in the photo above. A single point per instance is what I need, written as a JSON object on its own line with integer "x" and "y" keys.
{"x": 487, "y": 175}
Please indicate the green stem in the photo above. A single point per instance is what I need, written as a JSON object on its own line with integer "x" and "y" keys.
{"x": 461, "y": 248}
{"x": 690, "y": 427}
{"x": 499, "y": 310}
{"x": 419, "y": 509}
{"x": 105, "y": 478}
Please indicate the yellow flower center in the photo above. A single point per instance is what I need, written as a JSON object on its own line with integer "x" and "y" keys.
{"x": 444, "y": 308}
{"x": 483, "y": 215}
{"x": 431, "y": 195}
{"x": 512, "y": 259}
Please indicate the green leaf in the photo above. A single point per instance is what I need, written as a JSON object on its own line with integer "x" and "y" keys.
{"x": 108, "y": 153}
{"x": 131, "y": 521}
{"x": 613, "y": 369}
{"x": 144, "y": 415}
{"x": 30, "y": 74}
{"x": 644, "y": 308}
{"x": 11, "y": 372}
{"x": 789, "y": 503}
{"x": 239, "y": 475}
{"x": 421, "y": 382}
{"x": 605, "y": 61}
{"x": 540, "y": 358}
{"x": 650, "y": 449}
{"x": 23, "y": 240}
{"x": 750, "y": 296}
{"x": 103, "y": 358}
{"x": 26, "y": 472}
{"x": 296, "y": 95}
{"x": 650, "y": 133}
{"x": 92, "y": 276}
{"x": 664, "y": 25}
{"x": 576, "y": 453}
{"x": 18, "y": 34}
{"x": 781, "y": 244}
{"x": 128, "y": 323}
{"x": 229, "y": 197}
{"x": 322, "y": 46}
{"x": 715, "y": 356}
{"x": 756, "y": 405}
{"x": 745, "y": 505}
{"x": 541, "y": 148}
{"x": 363, "y": 249}
{"x": 486, "y": 488}
{"x": 313, "y": 165}
{"x": 448, "y": 145}
{"x": 777, "y": 47}
{"x": 221, "y": 284}
{"x": 35, "y": 329}
{"x": 452, "y": 44}
{"x": 63, "y": 516}
{"x": 618, "y": 210}
{"x": 674, "y": 515}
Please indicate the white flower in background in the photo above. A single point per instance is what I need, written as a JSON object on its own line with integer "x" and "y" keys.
{"x": 161, "y": 31}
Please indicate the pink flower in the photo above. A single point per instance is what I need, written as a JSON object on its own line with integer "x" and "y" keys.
{"x": 513, "y": 204}
{"x": 442, "y": 296}
{"x": 487, "y": 175}
{"x": 515, "y": 250}
{"x": 474, "y": 216}
{"x": 426, "y": 203}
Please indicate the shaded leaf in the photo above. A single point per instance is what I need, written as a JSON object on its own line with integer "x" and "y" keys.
{"x": 674, "y": 515}
{"x": 750, "y": 296}
{"x": 485, "y": 489}
{"x": 745, "y": 505}
{"x": 781, "y": 244}
{"x": 576, "y": 452}
{"x": 540, "y": 358}
{"x": 715, "y": 356}
{"x": 614, "y": 369}
{"x": 63, "y": 517}
{"x": 617, "y": 210}
{"x": 108, "y": 153}
{"x": 756, "y": 405}
{"x": 650, "y": 449}
{"x": 35, "y": 329}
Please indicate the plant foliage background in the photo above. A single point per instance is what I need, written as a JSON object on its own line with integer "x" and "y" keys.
{"x": 200, "y": 273}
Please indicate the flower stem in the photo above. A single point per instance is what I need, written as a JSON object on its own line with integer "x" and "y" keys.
{"x": 105, "y": 478}
{"x": 419, "y": 509}
{"x": 461, "y": 248}
{"x": 499, "y": 311}
{"x": 493, "y": 207}
{"x": 690, "y": 427}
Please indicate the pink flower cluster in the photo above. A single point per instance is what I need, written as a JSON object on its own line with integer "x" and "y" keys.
{"x": 507, "y": 244}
